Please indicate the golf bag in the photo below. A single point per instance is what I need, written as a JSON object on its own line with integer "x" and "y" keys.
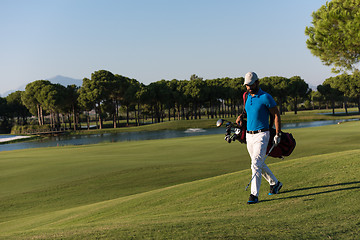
{"x": 233, "y": 131}
{"x": 284, "y": 148}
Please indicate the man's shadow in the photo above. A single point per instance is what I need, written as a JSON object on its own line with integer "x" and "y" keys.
{"x": 345, "y": 187}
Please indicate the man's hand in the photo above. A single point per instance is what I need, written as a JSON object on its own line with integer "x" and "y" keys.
{"x": 277, "y": 139}
{"x": 239, "y": 120}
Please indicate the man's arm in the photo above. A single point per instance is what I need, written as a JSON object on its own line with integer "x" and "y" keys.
{"x": 277, "y": 119}
{"x": 240, "y": 118}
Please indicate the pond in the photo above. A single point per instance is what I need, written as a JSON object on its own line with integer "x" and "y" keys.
{"x": 64, "y": 140}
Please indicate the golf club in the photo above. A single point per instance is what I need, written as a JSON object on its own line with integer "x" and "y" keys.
{"x": 261, "y": 166}
{"x": 220, "y": 122}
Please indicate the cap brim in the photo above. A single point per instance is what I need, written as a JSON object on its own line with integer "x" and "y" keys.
{"x": 249, "y": 82}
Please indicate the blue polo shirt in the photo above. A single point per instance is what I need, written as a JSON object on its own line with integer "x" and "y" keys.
{"x": 257, "y": 109}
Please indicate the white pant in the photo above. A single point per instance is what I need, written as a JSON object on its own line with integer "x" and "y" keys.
{"x": 256, "y": 145}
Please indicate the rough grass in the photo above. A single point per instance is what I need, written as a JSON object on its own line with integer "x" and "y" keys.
{"x": 182, "y": 189}
{"x": 318, "y": 206}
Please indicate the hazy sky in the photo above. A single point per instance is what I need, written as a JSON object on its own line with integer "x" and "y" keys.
{"x": 153, "y": 40}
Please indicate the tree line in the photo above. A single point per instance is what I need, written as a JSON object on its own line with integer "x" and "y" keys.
{"x": 343, "y": 88}
{"x": 333, "y": 36}
{"x": 106, "y": 95}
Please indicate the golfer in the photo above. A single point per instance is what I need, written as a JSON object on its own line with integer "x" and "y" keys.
{"x": 259, "y": 105}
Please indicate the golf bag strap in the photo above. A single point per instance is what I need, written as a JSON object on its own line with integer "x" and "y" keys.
{"x": 245, "y": 96}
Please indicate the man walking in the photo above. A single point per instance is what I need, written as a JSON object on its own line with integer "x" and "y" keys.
{"x": 259, "y": 105}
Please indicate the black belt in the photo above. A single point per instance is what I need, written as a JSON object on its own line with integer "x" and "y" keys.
{"x": 258, "y": 131}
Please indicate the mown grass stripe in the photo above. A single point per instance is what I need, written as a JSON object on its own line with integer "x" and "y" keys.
{"x": 217, "y": 200}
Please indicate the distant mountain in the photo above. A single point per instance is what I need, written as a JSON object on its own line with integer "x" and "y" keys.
{"x": 21, "y": 88}
{"x": 65, "y": 81}
{"x": 312, "y": 87}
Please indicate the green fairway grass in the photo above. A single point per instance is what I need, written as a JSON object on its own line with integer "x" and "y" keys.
{"x": 184, "y": 188}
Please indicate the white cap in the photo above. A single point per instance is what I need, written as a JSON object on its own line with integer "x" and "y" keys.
{"x": 250, "y": 78}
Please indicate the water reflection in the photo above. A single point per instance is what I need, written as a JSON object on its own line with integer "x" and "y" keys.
{"x": 136, "y": 136}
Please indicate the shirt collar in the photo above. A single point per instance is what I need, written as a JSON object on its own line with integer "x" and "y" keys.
{"x": 260, "y": 92}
